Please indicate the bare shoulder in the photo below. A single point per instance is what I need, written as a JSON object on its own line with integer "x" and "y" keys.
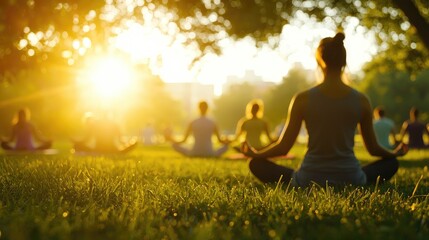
{"x": 243, "y": 120}
{"x": 301, "y": 98}
{"x": 299, "y": 103}
{"x": 364, "y": 100}
{"x": 365, "y": 105}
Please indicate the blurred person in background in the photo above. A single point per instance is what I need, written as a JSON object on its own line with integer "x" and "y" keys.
{"x": 102, "y": 136}
{"x": 253, "y": 126}
{"x": 415, "y": 130}
{"x": 202, "y": 129}
{"x": 384, "y": 129}
{"x": 25, "y": 136}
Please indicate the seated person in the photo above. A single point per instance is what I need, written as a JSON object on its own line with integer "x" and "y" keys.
{"x": 253, "y": 126}
{"x": 102, "y": 136}
{"x": 148, "y": 134}
{"x": 384, "y": 129}
{"x": 24, "y": 135}
{"x": 415, "y": 130}
{"x": 202, "y": 130}
{"x": 331, "y": 111}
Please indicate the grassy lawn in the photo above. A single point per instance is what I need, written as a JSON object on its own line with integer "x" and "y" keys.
{"x": 154, "y": 193}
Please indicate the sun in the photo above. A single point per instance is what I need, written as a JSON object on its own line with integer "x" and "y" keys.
{"x": 106, "y": 80}
{"x": 110, "y": 78}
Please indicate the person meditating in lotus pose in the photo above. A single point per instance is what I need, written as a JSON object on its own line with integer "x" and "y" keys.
{"x": 384, "y": 128}
{"x": 331, "y": 111}
{"x": 102, "y": 137}
{"x": 415, "y": 131}
{"x": 24, "y": 135}
{"x": 202, "y": 129}
{"x": 253, "y": 126}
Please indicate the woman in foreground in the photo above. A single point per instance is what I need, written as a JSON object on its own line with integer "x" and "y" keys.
{"x": 331, "y": 111}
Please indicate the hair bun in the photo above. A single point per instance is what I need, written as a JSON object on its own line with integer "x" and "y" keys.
{"x": 339, "y": 37}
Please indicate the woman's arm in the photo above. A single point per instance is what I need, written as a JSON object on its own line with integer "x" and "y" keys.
{"x": 368, "y": 135}
{"x": 36, "y": 133}
{"x": 238, "y": 130}
{"x": 287, "y": 137}
{"x": 267, "y": 132}
{"x": 12, "y": 135}
{"x": 219, "y": 137}
{"x": 185, "y": 137}
{"x": 393, "y": 134}
{"x": 403, "y": 131}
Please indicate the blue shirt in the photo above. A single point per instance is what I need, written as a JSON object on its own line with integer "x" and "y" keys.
{"x": 382, "y": 128}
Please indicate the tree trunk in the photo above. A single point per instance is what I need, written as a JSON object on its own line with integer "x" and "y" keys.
{"x": 415, "y": 18}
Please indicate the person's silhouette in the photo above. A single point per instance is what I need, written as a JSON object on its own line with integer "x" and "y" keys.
{"x": 331, "y": 111}
{"x": 24, "y": 136}
{"x": 384, "y": 128}
{"x": 253, "y": 126}
{"x": 202, "y": 129}
{"x": 148, "y": 134}
{"x": 415, "y": 130}
{"x": 105, "y": 136}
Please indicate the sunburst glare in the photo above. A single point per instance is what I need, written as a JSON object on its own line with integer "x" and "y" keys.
{"x": 106, "y": 80}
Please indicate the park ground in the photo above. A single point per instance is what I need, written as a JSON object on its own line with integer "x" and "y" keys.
{"x": 154, "y": 193}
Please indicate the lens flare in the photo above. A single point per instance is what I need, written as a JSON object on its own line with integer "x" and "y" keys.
{"x": 107, "y": 82}
{"x": 109, "y": 78}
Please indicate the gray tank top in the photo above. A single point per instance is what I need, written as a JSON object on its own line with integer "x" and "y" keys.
{"x": 331, "y": 125}
{"x": 202, "y": 130}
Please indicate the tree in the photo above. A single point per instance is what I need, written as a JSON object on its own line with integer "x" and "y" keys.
{"x": 397, "y": 91}
{"x": 415, "y": 18}
{"x": 52, "y": 103}
{"x": 231, "y": 106}
{"x": 30, "y": 38}
{"x": 36, "y": 31}
{"x": 278, "y": 99}
{"x": 58, "y": 106}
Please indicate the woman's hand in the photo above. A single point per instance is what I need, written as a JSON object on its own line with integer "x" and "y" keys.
{"x": 247, "y": 150}
{"x": 401, "y": 149}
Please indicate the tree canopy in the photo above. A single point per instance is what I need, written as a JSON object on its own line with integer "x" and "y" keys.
{"x": 230, "y": 107}
{"x": 40, "y": 31}
{"x": 397, "y": 91}
{"x": 45, "y": 42}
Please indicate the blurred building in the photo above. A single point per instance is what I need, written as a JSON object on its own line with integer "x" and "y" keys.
{"x": 250, "y": 77}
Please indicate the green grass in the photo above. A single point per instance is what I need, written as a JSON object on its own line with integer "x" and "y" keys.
{"x": 154, "y": 193}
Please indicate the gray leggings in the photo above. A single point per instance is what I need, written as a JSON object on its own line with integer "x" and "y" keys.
{"x": 269, "y": 172}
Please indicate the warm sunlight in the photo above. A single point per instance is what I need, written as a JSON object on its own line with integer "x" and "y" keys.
{"x": 106, "y": 80}
{"x": 141, "y": 42}
{"x": 110, "y": 78}
{"x": 166, "y": 54}
{"x": 168, "y": 57}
